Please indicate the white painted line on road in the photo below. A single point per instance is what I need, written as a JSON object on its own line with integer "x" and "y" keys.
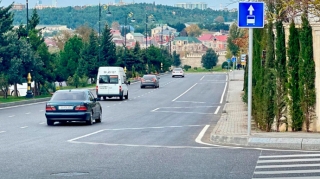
{"x": 179, "y": 112}
{"x": 191, "y": 107}
{"x": 224, "y": 91}
{"x": 41, "y": 110}
{"x": 41, "y": 123}
{"x": 289, "y": 160}
{"x": 23, "y": 105}
{"x": 217, "y": 110}
{"x": 185, "y": 92}
{"x": 11, "y": 116}
{"x": 286, "y": 172}
{"x": 288, "y": 156}
{"x": 202, "y": 78}
{"x": 306, "y": 177}
{"x": 189, "y": 102}
{"x": 28, "y": 113}
{"x": 2, "y": 132}
{"x": 155, "y": 109}
{"x": 289, "y": 166}
{"x": 227, "y": 77}
{"x": 201, "y": 134}
{"x": 85, "y": 135}
{"x": 23, "y": 127}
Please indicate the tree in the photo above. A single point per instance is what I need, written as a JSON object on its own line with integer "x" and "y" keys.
{"x": 176, "y": 59}
{"x": 233, "y": 34}
{"x": 84, "y": 32}
{"x": 108, "y": 49}
{"x": 219, "y": 19}
{"x": 209, "y": 59}
{"x": 307, "y": 72}
{"x": 295, "y": 110}
{"x": 62, "y": 38}
{"x": 69, "y": 57}
{"x": 89, "y": 58}
{"x": 193, "y": 30}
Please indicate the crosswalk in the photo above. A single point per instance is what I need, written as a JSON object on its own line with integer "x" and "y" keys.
{"x": 296, "y": 166}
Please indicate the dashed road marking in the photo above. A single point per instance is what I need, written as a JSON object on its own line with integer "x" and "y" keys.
{"x": 217, "y": 110}
{"x": 23, "y": 127}
{"x": 2, "y": 132}
{"x": 28, "y": 113}
{"x": 12, "y": 116}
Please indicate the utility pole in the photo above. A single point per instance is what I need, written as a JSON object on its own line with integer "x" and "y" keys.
{"x": 99, "y": 32}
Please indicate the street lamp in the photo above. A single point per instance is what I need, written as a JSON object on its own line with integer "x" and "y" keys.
{"x": 99, "y": 35}
{"x": 129, "y": 15}
{"x": 152, "y": 20}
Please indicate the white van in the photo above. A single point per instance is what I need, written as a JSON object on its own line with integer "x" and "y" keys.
{"x": 112, "y": 82}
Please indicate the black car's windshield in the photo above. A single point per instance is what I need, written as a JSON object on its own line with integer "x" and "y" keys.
{"x": 68, "y": 96}
{"x": 108, "y": 79}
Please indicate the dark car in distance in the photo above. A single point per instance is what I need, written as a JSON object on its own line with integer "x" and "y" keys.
{"x": 73, "y": 105}
{"x": 149, "y": 80}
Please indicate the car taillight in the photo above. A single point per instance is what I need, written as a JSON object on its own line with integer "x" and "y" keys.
{"x": 81, "y": 108}
{"x": 153, "y": 79}
{"x": 97, "y": 89}
{"x": 50, "y": 108}
{"x": 142, "y": 80}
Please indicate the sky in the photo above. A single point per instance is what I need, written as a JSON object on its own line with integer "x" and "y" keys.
{"x": 214, "y": 4}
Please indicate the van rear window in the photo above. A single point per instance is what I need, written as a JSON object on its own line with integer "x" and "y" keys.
{"x": 108, "y": 79}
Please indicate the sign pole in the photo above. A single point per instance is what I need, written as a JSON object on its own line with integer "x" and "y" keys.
{"x": 250, "y": 80}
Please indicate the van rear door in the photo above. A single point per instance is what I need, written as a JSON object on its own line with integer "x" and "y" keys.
{"x": 108, "y": 84}
{"x": 114, "y": 84}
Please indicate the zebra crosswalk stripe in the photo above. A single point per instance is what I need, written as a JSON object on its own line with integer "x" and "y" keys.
{"x": 299, "y": 166}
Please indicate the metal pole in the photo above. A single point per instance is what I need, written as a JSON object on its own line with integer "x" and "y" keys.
{"x": 147, "y": 42}
{"x": 250, "y": 79}
{"x": 27, "y": 17}
{"x": 125, "y": 41}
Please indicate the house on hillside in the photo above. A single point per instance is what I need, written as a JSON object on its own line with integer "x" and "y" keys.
{"x": 137, "y": 37}
{"x": 216, "y": 42}
{"x": 188, "y": 45}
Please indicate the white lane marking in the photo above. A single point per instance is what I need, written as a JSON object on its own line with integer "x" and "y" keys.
{"x": 28, "y": 113}
{"x": 41, "y": 123}
{"x": 224, "y": 91}
{"x": 289, "y": 160}
{"x": 190, "y": 107}
{"x": 155, "y": 109}
{"x": 189, "y": 102}
{"x": 41, "y": 110}
{"x": 185, "y": 92}
{"x": 307, "y": 177}
{"x": 217, "y": 110}
{"x": 288, "y": 156}
{"x": 23, "y": 105}
{"x": 11, "y": 116}
{"x": 23, "y": 127}
{"x": 85, "y": 135}
{"x": 289, "y": 166}
{"x": 179, "y": 112}
{"x": 227, "y": 77}
{"x": 202, "y": 78}
{"x": 201, "y": 134}
{"x": 2, "y": 132}
{"x": 287, "y": 171}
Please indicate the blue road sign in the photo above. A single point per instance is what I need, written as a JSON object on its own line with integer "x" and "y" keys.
{"x": 251, "y": 15}
{"x": 234, "y": 59}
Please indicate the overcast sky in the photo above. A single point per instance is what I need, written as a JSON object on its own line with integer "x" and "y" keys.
{"x": 215, "y": 4}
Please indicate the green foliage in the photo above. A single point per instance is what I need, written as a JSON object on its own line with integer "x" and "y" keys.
{"x": 176, "y": 59}
{"x": 226, "y": 65}
{"x": 233, "y": 34}
{"x": 209, "y": 59}
{"x": 108, "y": 48}
{"x": 295, "y": 110}
{"x": 186, "y": 67}
{"x": 307, "y": 72}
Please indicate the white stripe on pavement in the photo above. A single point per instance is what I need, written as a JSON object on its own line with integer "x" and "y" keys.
{"x": 289, "y": 160}
{"x": 308, "y": 177}
{"x": 288, "y": 166}
{"x": 185, "y": 92}
{"x": 217, "y": 110}
{"x": 224, "y": 91}
{"x": 288, "y": 156}
{"x": 286, "y": 172}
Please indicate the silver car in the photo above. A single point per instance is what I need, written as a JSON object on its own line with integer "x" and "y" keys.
{"x": 150, "y": 80}
{"x": 177, "y": 72}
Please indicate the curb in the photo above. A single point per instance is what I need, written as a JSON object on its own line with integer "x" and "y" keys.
{"x": 268, "y": 142}
{"x": 24, "y": 102}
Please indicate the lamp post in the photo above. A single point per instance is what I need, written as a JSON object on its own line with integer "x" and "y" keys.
{"x": 152, "y": 20}
{"x": 129, "y": 15}
{"x": 99, "y": 35}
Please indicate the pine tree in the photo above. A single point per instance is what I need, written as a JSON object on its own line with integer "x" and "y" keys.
{"x": 108, "y": 48}
{"x": 294, "y": 106}
{"x": 307, "y": 72}
{"x": 281, "y": 73}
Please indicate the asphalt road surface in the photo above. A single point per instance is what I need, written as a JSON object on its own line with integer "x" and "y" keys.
{"x": 157, "y": 133}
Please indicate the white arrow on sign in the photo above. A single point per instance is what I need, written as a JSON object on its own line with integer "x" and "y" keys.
{"x": 250, "y": 9}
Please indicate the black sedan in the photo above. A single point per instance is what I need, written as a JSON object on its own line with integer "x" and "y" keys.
{"x": 73, "y": 105}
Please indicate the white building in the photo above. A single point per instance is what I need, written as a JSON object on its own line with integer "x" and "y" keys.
{"x": 189, "y": 5}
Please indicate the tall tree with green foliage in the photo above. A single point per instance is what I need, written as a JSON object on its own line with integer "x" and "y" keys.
{"x": 209, "y": 59}
{"x": 234, "y": 33}
{"x": 307, "y": 72}
{"x": 293, "y": 52}
{"x": 69, "y": 57}
{"x": 89, "y": 58}
{"x": 281, "y": 73}
{"x": 269, "y": 77}
{"x": 108, "y": 48}
{"x": 176, "y": 59}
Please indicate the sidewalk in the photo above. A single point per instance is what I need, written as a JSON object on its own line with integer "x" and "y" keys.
{"x": 232, "y": 128}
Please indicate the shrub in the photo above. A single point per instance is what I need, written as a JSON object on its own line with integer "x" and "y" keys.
{"x": 186, "y": 67}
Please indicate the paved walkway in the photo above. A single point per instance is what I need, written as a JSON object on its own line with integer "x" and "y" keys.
{"x": 232, "y": 128}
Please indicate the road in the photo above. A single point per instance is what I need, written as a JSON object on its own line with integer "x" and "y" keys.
{"x": 157, "y": 133}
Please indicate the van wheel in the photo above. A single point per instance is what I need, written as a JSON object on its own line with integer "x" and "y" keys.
{"x": 121, "y": 96}
{"x": 127, "y": 96}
